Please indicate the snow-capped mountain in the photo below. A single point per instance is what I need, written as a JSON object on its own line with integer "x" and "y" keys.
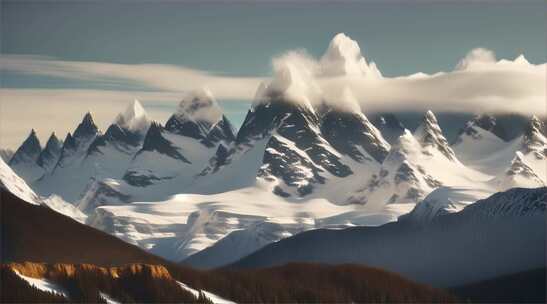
{"x": 134, "y": 119}
{"x": 50, "y": 154}
{"x": 519, "y": 174}
{"x": 519, "y": 162}
{"x": 352, "y": 134}
{"x": 67, "y": 179}
{"x": 430, "y": 136}
{"x": 23, "y": 161}
{"x": 76, "y": 144}
{"x": 411, "y": 170}
{"x": 533, "y": 141}
{"x": 181, "y": 148}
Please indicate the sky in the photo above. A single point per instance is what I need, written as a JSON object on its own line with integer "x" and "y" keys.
{"x": 62, "y": 59}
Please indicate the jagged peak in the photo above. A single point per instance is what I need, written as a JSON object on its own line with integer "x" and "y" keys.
{"x": 29, "y": 150}
{"x": 88, "y": 118}
{"x": 134, "y": 118}
{"x": 520, "y": 168}
{"x": 69, "y": 142}
{"x": 87, "y": 127}
{"x": 429, "y": 134}
{"x": 533, "y": 139}
{"x": 154, "y": 141}
{"x": 53, "y": 142}
{"x": 31, "y": 142}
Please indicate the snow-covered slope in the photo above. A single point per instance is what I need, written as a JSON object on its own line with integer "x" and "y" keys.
{"x": 519, "y": 174}
{"x": 477, "y": 140}
{"x": 441, "y": 201}
{"x": 16, "y": 185}
{"x": 9, "y": 181}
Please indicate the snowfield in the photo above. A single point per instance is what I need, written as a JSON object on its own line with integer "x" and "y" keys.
{"x": 188, "y": 223}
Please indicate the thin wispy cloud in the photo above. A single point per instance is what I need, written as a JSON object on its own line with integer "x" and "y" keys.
{"x": 153, "y": 76}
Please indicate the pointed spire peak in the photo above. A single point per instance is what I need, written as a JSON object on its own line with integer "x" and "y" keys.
{"x": 87, "y": 127}
{"x": 429, "y": 134}
{"x": 32, "y": 137}
{"x": 88, "y": 117}
{"x": 53, "y": 140}
{"x": 69, "y": 142}
{"x": 134, "y": 118}
{"x": 88, "y": 120}
{"x": 53, "y": 136}
{"x": 28, "y": 151}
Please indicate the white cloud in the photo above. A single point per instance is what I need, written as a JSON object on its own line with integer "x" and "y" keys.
{"x": 479, "y": 83}
{"x": 155, "y": 76}
{"x": 478, "y": 56}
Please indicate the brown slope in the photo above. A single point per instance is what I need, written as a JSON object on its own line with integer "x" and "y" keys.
{"x": 84, "y": 283}
{"x": 39, "y": 234}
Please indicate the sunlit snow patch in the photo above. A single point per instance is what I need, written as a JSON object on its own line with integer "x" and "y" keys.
{"x": 42, "y": 284}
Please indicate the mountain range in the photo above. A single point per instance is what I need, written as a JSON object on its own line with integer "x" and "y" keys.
{"x": 298, "y": 153}
{"x": 195, "y": 190}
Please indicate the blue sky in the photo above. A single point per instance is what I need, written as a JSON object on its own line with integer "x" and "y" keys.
{"x": 402, "y": 37}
